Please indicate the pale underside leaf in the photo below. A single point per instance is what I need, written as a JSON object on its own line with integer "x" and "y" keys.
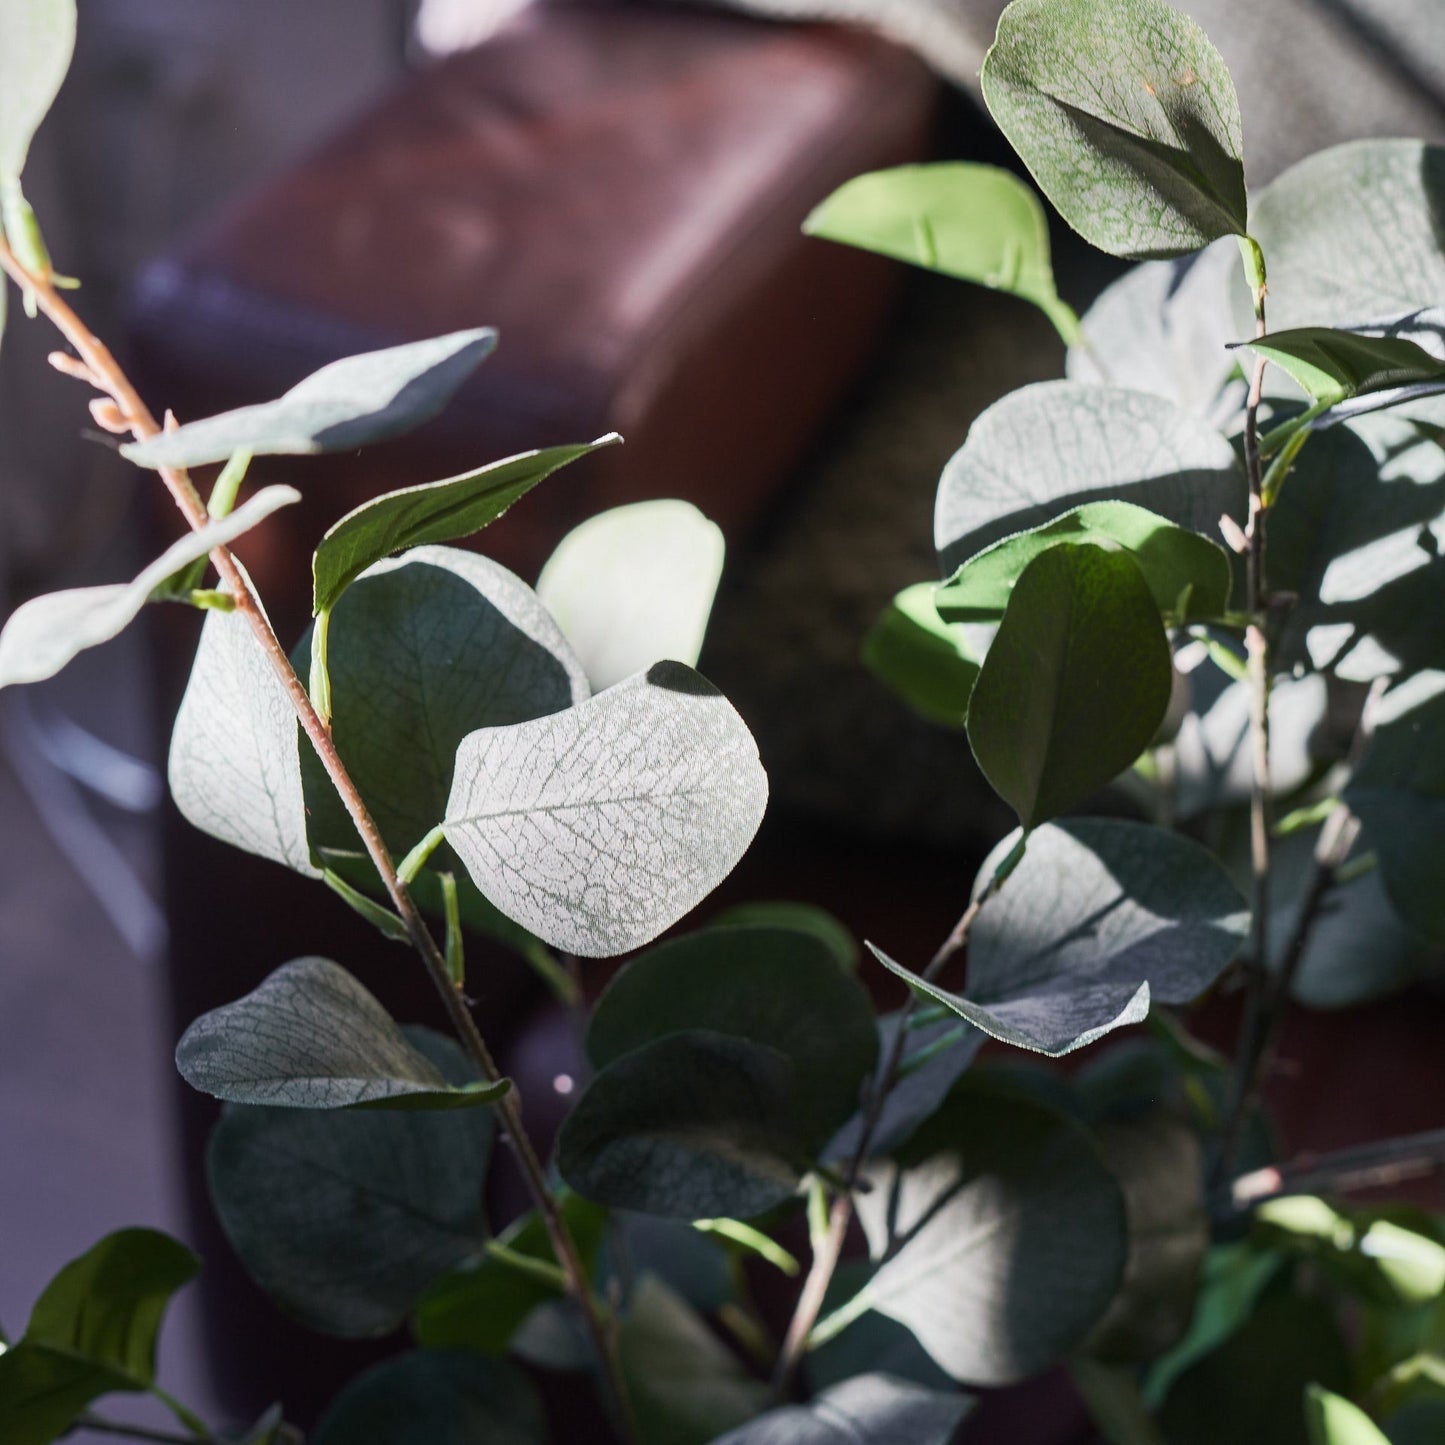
{"x": 311, "y": 1037}
{"x": 598, "y": 827}
{"x": 633, "y": 586}
{"x": 1057, "y": 444}
{"x": 869, "y": 1409}
{"x": 45, "y": 633}
{"x": 344, "y": 405}
{"x": 1127, "y": 118}
{"x": 36, "y": 41}
{"x": 234, "y": 766}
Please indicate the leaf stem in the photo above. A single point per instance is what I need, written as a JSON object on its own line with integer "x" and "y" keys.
{"x": 112, "y": 380}
{"x": 1362, "y": 1166}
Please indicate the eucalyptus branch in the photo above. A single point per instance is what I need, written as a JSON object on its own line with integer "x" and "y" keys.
{"x": 105, "y": 373}
{"x": 828, "y": 1248}
{"x": 1362, "y": 1166}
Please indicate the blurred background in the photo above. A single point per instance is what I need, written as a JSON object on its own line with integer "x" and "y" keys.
{"x": 251, "y": 189}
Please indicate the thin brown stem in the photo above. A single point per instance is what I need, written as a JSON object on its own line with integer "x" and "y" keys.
{"x": 840, "y": 1215}
{"x": 1362, "y": 1166}
{"x": 107, "y": 374}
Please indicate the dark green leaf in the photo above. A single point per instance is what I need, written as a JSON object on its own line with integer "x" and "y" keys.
{"x": 343, "y": 406}
{"x": 437, "y": 512}
{"x": 1126, "y": 116}
{"x": 36, "y": 41}
{"x": 235, "y": 759}
{"x": 482, "y": 1305}
{"x": 694, "y": 1125}
{"x": 976, "y": 222}
{"x": 1421, "y": 1422}
{"x": 93, "y": 1330}
{"x": 422, "y": 652}
{"x": 436, "y": 1398}
{"x": 1333, "y": 1420}
{"x": 1099, "y": 918}
{"x": 1353, "y": 233}
{"x": 1398, "y": 793}
{"x": 771, "y": 986}
{"x": 634, "y": 586}
{"x": 601, "y": 826}
{"x": 345, "y": 1218}
{"x": 46, "y": 632}
{"x": 870, "y": 1409}
{"x": 801, "y": 917}
{"x": 928, "y": 662}
{"x": 1000, "y": 1235}
{"x": 1188, "y": 575}
{"x": 1049, "y": 447}
{"x": 312, "y": 1037}
{"x": 686, "y": 1387}
{"x": 1076, "y": 682}
{"x": 1332, "y": 365}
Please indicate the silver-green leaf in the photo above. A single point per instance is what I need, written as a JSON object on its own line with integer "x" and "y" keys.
{"x": 598, "y": 827}
{"x": 36, "y": 41}
{"x": 345, "y": 405}
{"x": 46, "y": 632}
{"x": 869, "y": 1409}
{"x": 311, "y": 1037}
{"x": 1127, "y": 118}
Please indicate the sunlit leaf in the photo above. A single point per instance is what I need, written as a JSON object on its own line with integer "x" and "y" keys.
{"x": 46, "y": 632}
{"x": 1076, "y": 682}
{"x": 634, "y": 586}
{"x": 436, "y": 512}
{"x": 869, "y": 1409}
{"x": 975, "y": 222}
{"x": 345, "y": 1218}
{"x": 1126, "y": 116}
{"x": 928, "y": 662}
{"x": 1334, "y": 1420}
{"x": 343, "y": 406}
{"x": 1332, "y": 365}
{"x": 312, "y": 1037}
{"x": 36, "y": 41}
{"x": 601, "y": 826}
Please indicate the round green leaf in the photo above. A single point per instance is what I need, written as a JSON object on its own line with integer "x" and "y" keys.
{"x": 772, "y": 986}
{"x": 799, "y": 917}
{"x": 599, "y": 827}
{"x": 1049, "y": 447}
{"x": 696, "y": 1125}
{"x": 1352, "y": 234}
{"x": 928, "y": 662}
{"x": 346, "y": 1218}
{"x": 1334, "y": 1420}
{"x": 36, "y": 41}
{"x": 1000, "y": 1235}
{"x": 976, "y": 222}
{"x": 1188, "y": 575}
{"x": 866, "y": 1410}
{"x": 345, "y": 405}
{"x": 1126, "y": 116}
{"x": 312, "y": 1037}
{"x": 436, "y": 1398}
{"x": 1076, "y": 682}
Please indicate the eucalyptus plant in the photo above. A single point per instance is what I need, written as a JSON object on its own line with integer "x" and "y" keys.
{"x": 1188, "y": 617}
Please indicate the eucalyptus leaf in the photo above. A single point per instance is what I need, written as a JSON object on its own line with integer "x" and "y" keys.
{"x": 422, "y": 651}
{"x": 695, "y": 1125}
{"x": 345, "y": 405}
{"x": 634, "y": 586}
{"x": 235, "y": 759}
{"x": 869, "y": 1409}
{"x": 37, "y": 38}
{"x": 436, "y": 512}
{"x": 1333, "y": 1420}
{"x": 1057, "y": 444}
{"x": 1126, "y": 116}
{"x": 346, "y": 1218}
{"x": 481, "y": 1305}
{"x": 312, "y": 1037}
{"x": 1353, "y": 233}
{"x": 1332, "y": 365}
{"x": 928, "y": 662}
{"x": 686, "y": 1387}
{"x": 1099, "y": 919}
{"x": 771, "y": 986}
{"x": 1076, "y": 682}
{"x": 46, "y": 632}
{"x": 1000, "y": 1236}
{"x": 436, "y": 1398}
{"x": 601, "y": 826}
{"x": 975, "y": 222}
{"x": 801, "y": 918}
{"x": 1398, "y": 793}
{"x": 1188, "y": 575}
{"x": 92, "y": 1331}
